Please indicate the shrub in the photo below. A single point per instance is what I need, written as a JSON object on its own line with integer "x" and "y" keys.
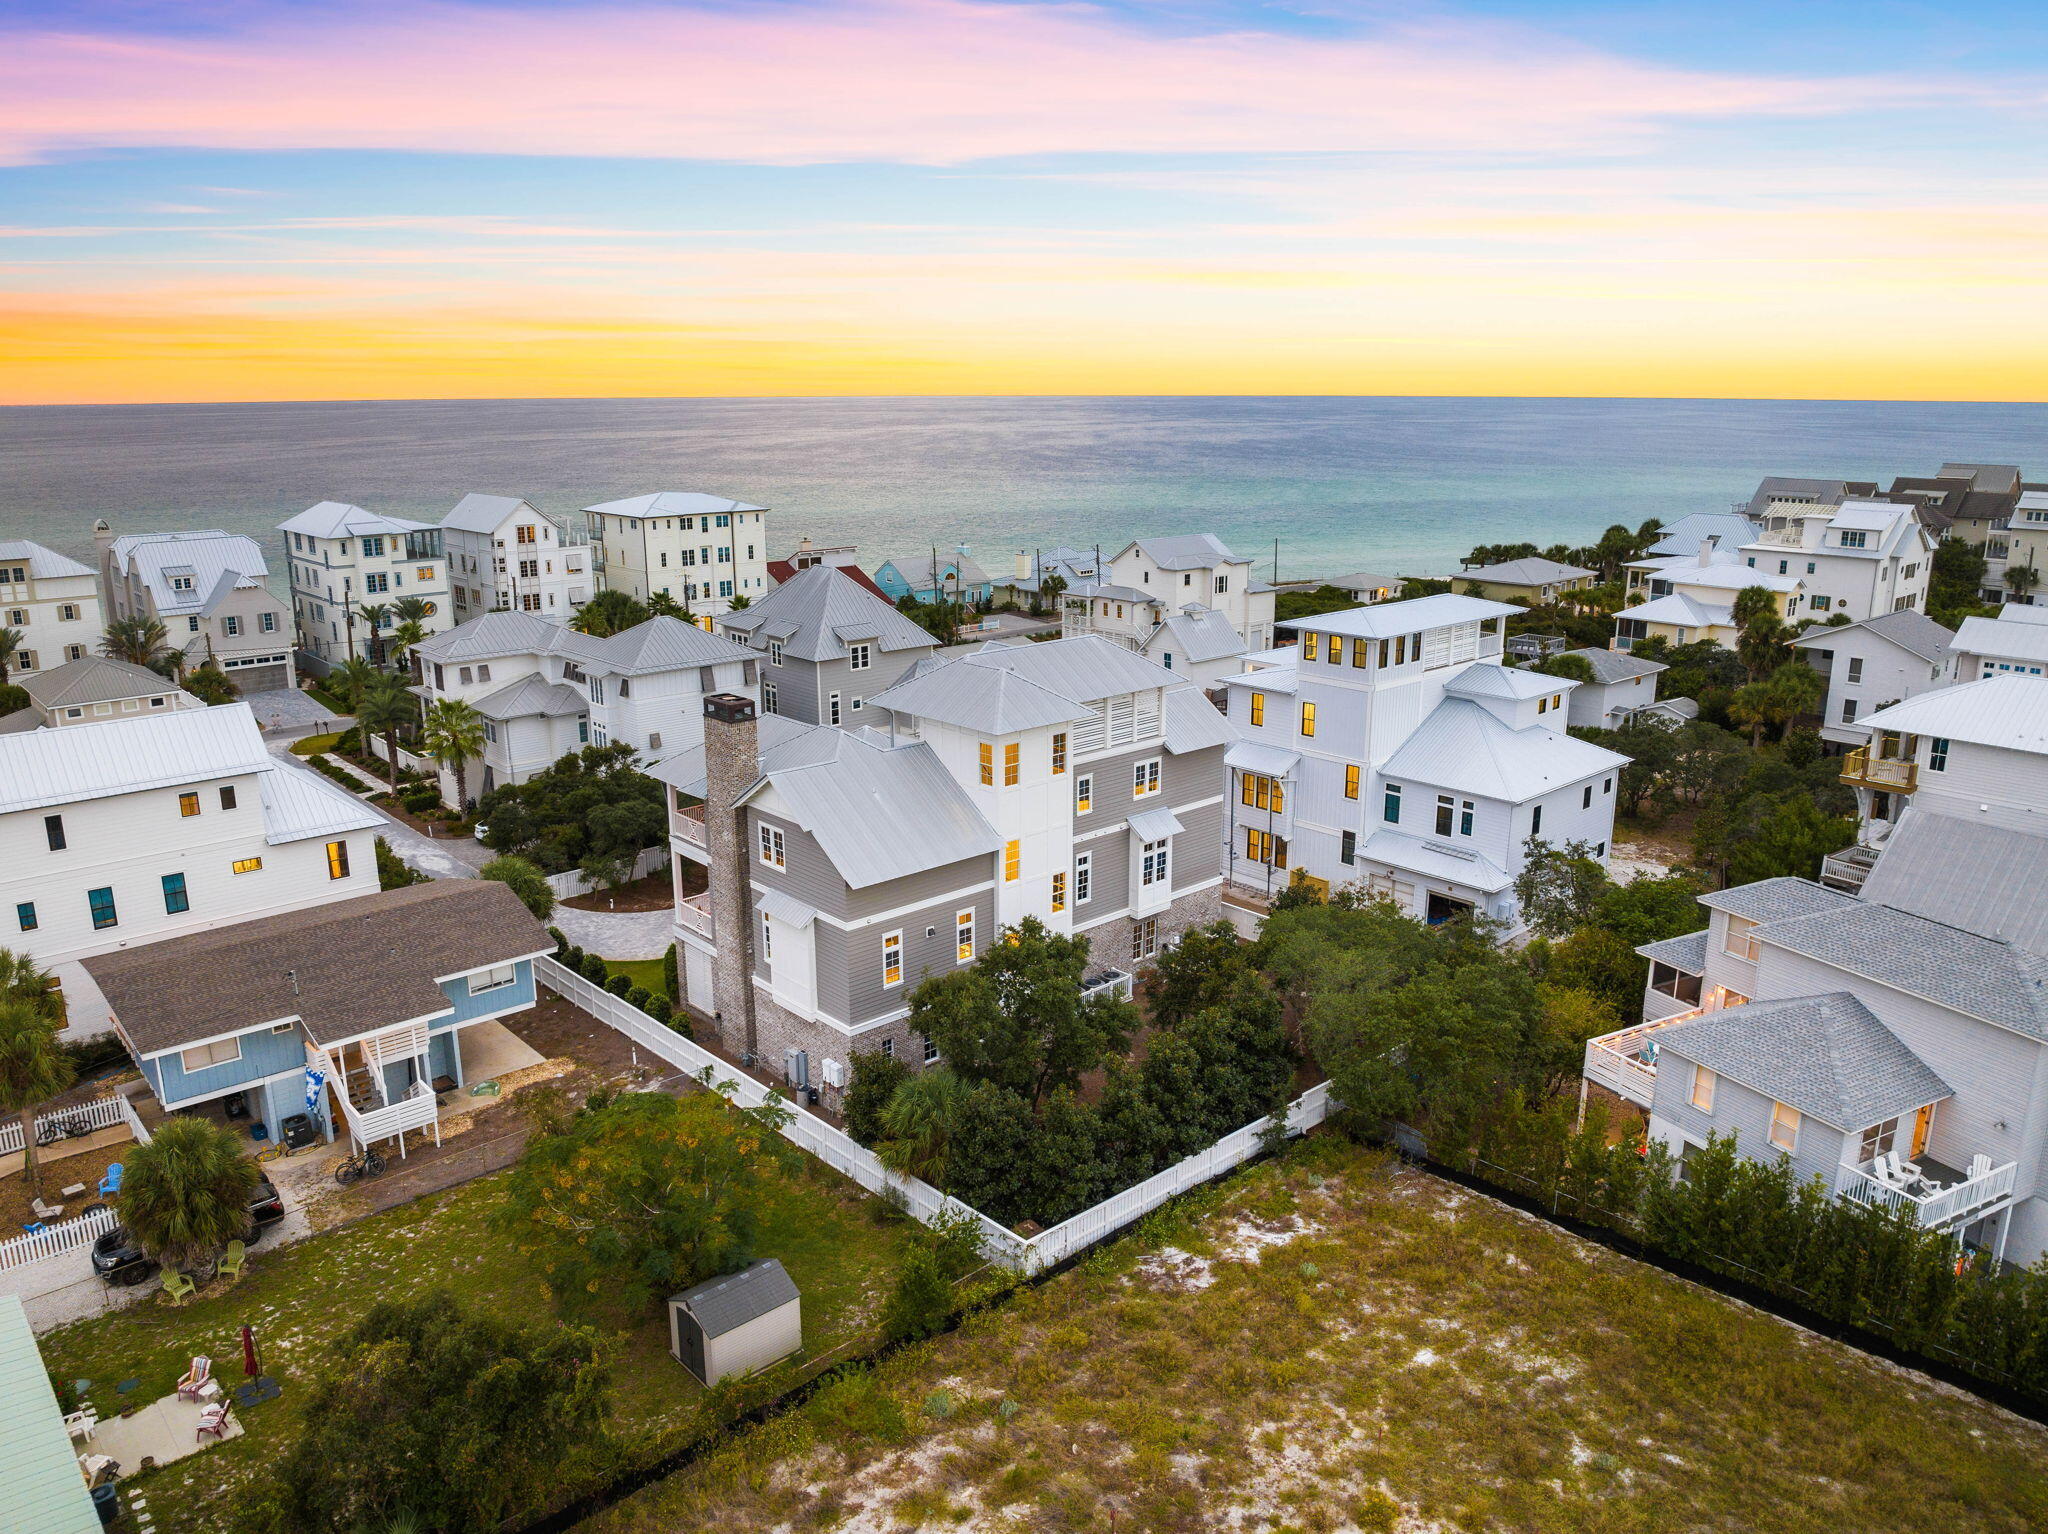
{"x": 658, "y": 1008}
{"x": 922, "y": 1299}
{"x": 13, "y": 698}
{"x": 876, "y": 1077}
{"x": 573, "y": 959}
{"x": 525, "y": 881}
{"x": 392, "y": 872}
{"x": 420, "y": 799}
{"x": 561, "y": 942}
{"x": 619, "y": 984}
{"x": 638, "y": 997}
{"x": 595, "y": 969}
{"x": 668, "y": 974}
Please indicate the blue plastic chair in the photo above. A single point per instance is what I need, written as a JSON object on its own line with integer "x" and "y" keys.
{"x": 111, "y": 1183}
{"x": 34, "y": 1228}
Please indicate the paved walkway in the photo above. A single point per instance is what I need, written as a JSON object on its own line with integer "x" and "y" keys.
{"x": 450, "y": 857}
{"x": 617, "y": 934}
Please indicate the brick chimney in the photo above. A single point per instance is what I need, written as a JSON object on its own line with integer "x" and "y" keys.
{"x": 732, "y": 763}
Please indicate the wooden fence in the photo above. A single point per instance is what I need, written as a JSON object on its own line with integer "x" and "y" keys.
{"x": 843, "y": 1154}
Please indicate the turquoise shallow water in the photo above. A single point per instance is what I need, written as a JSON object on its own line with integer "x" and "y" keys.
{"x": 1342, "y": 484}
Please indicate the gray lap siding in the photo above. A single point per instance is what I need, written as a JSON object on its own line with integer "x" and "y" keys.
{"x": 850, "y": 961}
{"x": 1747, "y": 1115}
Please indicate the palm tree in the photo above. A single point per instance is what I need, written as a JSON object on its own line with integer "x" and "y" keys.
{"x": 453, "y": 732}
{"x": 919, "y": 1120}
{"x": 740, "y": 604}
{"x": 2021, "y": 579}
{"x": 404, "y": 637}
{"x": 33, "y": 1066}
{"x": 412, "y": 609}
{"x": 376, "y": 614}
{"x": 1760, "y": 631}
{"x": 608, "y": 613}
{"x": 142, "y": 642}
{"x": 10, "y": 646}
{"x": 185, "y": 1195}
{"x": 350, "y": 677}
{"x": 386, "y": 706}
{"x": 662, "y": 605}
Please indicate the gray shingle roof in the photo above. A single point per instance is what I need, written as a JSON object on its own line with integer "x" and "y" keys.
{"x": 1980, "y": 976}
{"x": 1688, "y": 953}
{"x": 1828, "y": 1056}
{"x": 1775, "y": 899}
{"x": 94, "y": 679}
{"x": 343, "y": 969}
{"x": 817, "y": 612}
{"x": 1912, "y": 631}
{"x": 722, "y": 1305}
{"x": 1617, "y": 665}
{"x": 1982, "y": 878}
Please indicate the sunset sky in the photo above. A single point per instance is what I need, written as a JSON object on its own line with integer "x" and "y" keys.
{"x": 252, "y": 199}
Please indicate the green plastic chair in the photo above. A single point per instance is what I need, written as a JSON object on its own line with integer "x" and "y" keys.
{"x": 179, "y": 1286}
{"x": 231, "y": 1260}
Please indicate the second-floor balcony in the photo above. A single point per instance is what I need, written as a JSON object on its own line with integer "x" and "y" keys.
{"x": 695, "y": 914}
{"x": 1937, "y": 1197}
{"x": 1625, "y": 1061}
{"x": 1863, "y": 770}
{"x": 688, "y": 826}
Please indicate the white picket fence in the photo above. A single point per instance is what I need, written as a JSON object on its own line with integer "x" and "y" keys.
{"x": 920, "y": 1199}
{"x": 65, "y": 1236}
{"x": 101, "y": 1113}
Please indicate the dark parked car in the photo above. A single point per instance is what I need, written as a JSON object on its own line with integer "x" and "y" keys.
{"x": 119, "y": 1260}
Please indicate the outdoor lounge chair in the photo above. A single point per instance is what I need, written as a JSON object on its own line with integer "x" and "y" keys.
{"x": 82, "y": 1423}
{"x": 232, "y": 1259}
{"x": 111, "y": 1183}
{"x": 196, "y": 1377}
{"x": 214, "y": 1420}
{"x": 179, "y": 1286}
{"x": 46, "y": 1211}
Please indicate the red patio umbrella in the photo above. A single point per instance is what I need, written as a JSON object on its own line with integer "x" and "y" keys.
{"x": 252, "y": 1361}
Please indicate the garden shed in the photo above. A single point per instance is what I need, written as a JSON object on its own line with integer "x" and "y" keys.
{"x": 736, "y": 1324}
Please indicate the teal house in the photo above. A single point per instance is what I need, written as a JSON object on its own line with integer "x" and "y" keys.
{"x": 949, "y": 578}
{"x": 352, "y": 1013}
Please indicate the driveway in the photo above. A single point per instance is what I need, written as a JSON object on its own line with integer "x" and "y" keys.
{"x": 617, "y": 934}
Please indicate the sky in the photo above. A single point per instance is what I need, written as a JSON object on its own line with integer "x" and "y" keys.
{"x": 296, "y": 199}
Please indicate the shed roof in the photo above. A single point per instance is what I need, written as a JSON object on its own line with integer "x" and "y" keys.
{"x": 722, "y": 1305}
{"x": 342, "y": 969}
{"x": 1688, "y": 953}
{"x": 1828, "y": 1056}
{"x": 38, "y": 1461}
{"x": 1436, "y": 860}
{"x": 1255, "y": 756}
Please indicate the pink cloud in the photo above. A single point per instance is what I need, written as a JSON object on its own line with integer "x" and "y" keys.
{"x": 920, "y": 81}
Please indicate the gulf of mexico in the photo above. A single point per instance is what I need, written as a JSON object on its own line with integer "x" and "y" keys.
{"x": 1406, "y": 484}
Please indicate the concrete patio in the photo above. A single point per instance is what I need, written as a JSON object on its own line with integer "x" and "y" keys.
{"x": 163, "y": 1431}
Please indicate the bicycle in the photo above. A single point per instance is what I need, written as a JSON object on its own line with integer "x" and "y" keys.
{"x": 71, "y": 1128}
{"x": 366, "y": 1163}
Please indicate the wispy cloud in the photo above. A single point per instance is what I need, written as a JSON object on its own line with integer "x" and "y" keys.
{"x": 920, "y": 81}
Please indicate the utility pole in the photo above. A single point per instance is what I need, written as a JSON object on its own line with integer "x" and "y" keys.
{"x": 1276, "y": 561}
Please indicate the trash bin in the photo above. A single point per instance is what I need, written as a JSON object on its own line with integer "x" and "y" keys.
{"x": 106, "y": 1501}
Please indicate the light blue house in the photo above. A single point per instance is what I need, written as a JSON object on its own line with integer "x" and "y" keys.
{"x": 950, "y": 578}
{"x": 349, "y": 1012}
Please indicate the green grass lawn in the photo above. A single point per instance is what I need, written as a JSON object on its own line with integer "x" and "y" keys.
{"x": 313, "y": 745}
{"x": 839, "y": 1245}
{"x": 645, "y": 972}
{"x": 1331, "y": 1342}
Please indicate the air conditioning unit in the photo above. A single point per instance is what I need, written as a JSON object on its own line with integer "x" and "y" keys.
{"x": 796, "y": 1067}
{"x": 834, "y": 1073}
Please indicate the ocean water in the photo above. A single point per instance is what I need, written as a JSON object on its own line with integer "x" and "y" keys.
{"x": 1338, "y": 484}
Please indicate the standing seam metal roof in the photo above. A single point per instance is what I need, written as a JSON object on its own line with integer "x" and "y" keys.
{"x": 1464, "y": 747}
{"x": 38, "y": 1461}
{"x": 2009, "y": 711}
{"x": 1965, "y": 873}
{"x": 126, "y": 756}
{"x": 44, "y": 564}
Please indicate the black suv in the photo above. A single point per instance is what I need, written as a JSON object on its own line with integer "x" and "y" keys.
{"x": 119, "y": 1260}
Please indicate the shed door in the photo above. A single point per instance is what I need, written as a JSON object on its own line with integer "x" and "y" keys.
{"x": 690, "y": 1343}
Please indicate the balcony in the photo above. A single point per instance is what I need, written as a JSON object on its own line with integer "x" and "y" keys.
{"x": 695, "y": 914}
{"x": 688, "y": 828}
{"x": 1937, "y": 1197}
{"x": 1625, "y": 1061}
{"x": 1846, "y": 870}
{"x": 1861, "y": 770}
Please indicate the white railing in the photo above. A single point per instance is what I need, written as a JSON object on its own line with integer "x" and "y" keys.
{"x": 1936, "y": 1210}
{"x": 695, "y": 913}
{"x": 135, "y": 1125}
{"x": 101, "y": 1113}
{"x": 921, "y": 1200}
{"x": 1612, "y": 1060}
{"x": 688, "y": 826}
{"x": 66, "y": 1236}
{"x": 416, "y": 1110}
